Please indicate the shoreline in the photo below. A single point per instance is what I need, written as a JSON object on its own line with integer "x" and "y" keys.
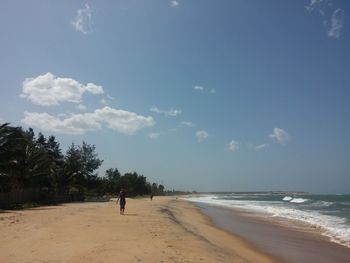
{"x": 166, "y": 229}
{"x": 291, "y": 241}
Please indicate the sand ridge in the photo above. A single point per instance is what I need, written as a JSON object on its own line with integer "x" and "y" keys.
{"x": 166, "y": 229}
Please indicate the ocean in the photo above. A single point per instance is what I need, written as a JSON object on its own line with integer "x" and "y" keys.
{"x": 330, "y": 214}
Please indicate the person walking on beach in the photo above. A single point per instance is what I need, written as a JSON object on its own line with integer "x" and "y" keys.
{"x": 122, "y": 201}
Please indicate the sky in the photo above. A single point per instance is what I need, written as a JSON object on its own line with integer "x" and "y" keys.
{"x": 231, "y": 95}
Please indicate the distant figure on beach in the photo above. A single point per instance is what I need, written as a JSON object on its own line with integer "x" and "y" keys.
{"x": 151, "y": 197}
{"x": 122, "y": 201}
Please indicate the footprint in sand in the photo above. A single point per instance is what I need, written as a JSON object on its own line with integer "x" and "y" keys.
{"x": 138, "y": 259}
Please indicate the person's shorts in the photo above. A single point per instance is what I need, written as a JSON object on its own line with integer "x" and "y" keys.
{"x": 122, "y": 205}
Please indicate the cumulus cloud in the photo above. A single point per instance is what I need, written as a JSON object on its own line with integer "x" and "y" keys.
{"x": 75, "y": 124}
{"x": 280, "y": 136}
{"x": 94, "y": 89}
{"x": 171, "y": 112}
{"x": 233, "y": 145}
{"x": 153, "y": 135}
{"x": 201, "y": 135}
{"x": 119, "y": 120}
{"x": 48, "y": 90}
{"x": 174, "y": 3}
{"x": 83, "y": 20}
{"x": 123, "y": 121}
{"x": 336, "y": 24}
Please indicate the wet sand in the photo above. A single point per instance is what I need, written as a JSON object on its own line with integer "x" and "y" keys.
{"x": 166, "y": 229}
{"x": 287, "y": 240}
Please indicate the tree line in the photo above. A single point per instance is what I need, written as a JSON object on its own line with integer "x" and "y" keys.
{"x": 28, "y": 161}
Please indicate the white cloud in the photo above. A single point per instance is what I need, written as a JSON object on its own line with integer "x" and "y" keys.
{"x": 174, "y": 3}
{"x": 261, "y": 146}
{"x": 172, "y": 113}
{"x": 83, "y": 20}
{"x": 201, "y": 88}
{"x": 319, "y": 5}
{"x": 336, "y": 24}
{"x": 187, "y": 123}
{"x": 48, "y": 90}
{"x": 233, "y": 145}
{"x": 201, "y": 135}
{"x": 280, "y": 136}
{"x": 122, "y": 121}
{"x": 333, "y": 19}
{"x": 153, "y": 135}
{"x": 81, "y": 107}
{"x": 198, "y": 88}
{"x": 94, "y": 89}
{"x": 75, "y": 124}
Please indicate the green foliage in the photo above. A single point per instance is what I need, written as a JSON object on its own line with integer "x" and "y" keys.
{"x": 80, "y": 164}
{"x": 22, "y": 161}
{"x": 133, "y": 183}
{"x": 113, "y": 174}
{"x": 9, "y": 138}
{"x": 157, "y": 189}
{"x": 30, "y": 162}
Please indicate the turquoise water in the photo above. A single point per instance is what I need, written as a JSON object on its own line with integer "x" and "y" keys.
{"x": 329, "y": 213}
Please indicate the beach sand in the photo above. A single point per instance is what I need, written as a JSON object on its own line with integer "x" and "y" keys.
{"x": 166, "y": 229}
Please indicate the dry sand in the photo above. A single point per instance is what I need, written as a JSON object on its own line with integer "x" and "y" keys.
{"x": 163, "y": 230}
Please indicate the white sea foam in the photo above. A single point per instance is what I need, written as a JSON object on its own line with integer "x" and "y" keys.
{"x": 287, "y": 198}
{"x": 332, "y": 226}
{"x": 298, "y": 200}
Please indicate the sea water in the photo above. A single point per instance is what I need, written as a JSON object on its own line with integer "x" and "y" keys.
{"x": 329, "y": 213}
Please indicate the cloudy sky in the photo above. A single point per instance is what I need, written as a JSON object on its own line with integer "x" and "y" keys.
{"x": 235, "y": 95}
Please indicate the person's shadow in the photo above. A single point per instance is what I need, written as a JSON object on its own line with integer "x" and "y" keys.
{"x": 130, "y": 214}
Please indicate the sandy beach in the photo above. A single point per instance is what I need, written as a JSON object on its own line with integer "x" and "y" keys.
{"x": 233, "y": 115}
{"x": 166, "y": 229}
{"x": 290, "y": 241}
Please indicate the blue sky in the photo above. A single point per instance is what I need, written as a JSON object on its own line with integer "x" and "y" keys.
{"x": 239, "y": 95}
